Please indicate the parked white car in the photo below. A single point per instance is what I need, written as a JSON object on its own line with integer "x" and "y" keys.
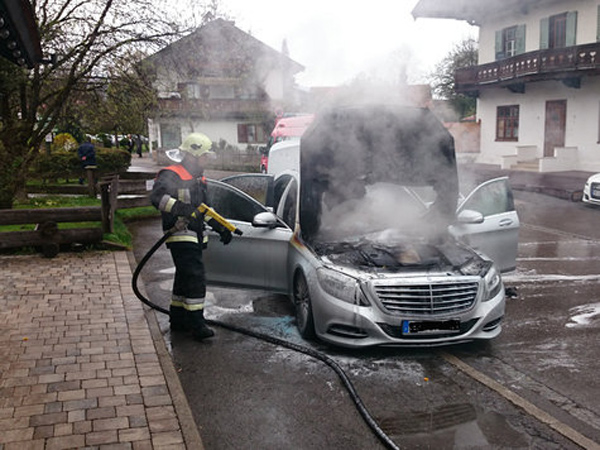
{"x": 591, "y": 190}
{"x": 370, "y": 253}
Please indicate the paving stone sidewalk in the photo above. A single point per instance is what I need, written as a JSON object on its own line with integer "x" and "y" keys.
{"x": 79, "y": 367}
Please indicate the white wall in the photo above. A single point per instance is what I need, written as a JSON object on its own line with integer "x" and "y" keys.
{"x": 215, "y": 130}
{"x": 583, "y": 109}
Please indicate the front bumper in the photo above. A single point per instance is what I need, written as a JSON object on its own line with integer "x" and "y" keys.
{"x": 591, "y": 193}
{"x": 355, "y": 326}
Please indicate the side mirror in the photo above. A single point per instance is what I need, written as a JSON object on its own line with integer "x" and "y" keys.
{"x": 469, "y": 216}
{"x": 265, "y": 220}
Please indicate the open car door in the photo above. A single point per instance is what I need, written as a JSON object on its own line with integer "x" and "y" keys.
{"x": 258, "y": 258}
{"x": 495, "y": 231}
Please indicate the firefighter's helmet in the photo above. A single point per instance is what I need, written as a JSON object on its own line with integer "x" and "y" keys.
{"x": 196, "y": 144}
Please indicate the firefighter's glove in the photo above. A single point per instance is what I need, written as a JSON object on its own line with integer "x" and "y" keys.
{"x": 225, "y": 236}
{"x": 182, "y": 209}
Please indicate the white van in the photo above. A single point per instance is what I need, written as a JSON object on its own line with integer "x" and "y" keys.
{"x": 284, "y": 155}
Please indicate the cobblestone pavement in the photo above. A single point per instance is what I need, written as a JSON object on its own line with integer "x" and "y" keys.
{"x": 78, "y": 363}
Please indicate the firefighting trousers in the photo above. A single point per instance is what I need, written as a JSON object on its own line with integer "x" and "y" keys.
{"x": 189, "y": 286}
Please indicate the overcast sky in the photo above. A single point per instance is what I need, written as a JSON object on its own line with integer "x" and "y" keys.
{"x": 336, "y": 40}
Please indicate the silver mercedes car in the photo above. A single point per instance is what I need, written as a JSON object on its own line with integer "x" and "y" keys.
{"x": 363, "y": 233}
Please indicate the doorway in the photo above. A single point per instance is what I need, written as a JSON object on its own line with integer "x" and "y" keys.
{"x": 555, "y": 126}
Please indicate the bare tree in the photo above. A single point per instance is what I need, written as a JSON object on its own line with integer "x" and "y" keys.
{"x": 85, "y": 39}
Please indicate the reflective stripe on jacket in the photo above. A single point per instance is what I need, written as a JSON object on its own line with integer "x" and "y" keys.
{"x": 172, "y": 184}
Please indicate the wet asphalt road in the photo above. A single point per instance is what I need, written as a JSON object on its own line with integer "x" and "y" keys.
{"x": 248, "y": 394}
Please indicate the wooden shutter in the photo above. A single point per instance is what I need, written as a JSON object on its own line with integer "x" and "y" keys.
{"x": 571, "y": 38}
{"x": 499, "y": 45}
{"x": 520, "y": 39}
{"x": 242, "y": 133}
{"x": 598, "y": 25}
{"x": 544, "y": 33}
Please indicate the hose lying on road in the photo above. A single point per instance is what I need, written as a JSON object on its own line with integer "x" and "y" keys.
{"x": 369, "y": 420}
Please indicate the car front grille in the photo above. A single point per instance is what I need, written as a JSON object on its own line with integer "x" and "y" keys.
{"x": 427, "y": 299}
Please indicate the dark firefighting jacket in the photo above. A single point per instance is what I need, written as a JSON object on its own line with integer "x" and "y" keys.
{"x": 175, "y": 183}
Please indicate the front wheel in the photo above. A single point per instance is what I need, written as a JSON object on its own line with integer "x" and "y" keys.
{"x": 303, "y": 304}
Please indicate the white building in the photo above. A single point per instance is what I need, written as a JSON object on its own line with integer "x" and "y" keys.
{"x": 537, "y": 81}
{"x": 220, "y": 81}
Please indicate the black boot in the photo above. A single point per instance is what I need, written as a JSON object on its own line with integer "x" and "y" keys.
{"x": 178, "y": 319}
{"x": 200, "y": 330}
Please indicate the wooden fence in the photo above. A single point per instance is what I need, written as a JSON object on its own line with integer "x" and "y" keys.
{"x": 114, "y": 193}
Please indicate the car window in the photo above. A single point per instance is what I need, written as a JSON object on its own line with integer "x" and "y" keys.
{"x": 287, "y": 208}
{"x": 257, "y": 186}
{"x": 279, "y": 188}
{"x": 491, "y": 198}
{"x": 231, "y": 203}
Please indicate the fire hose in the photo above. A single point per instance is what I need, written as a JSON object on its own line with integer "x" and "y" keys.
{"x": 346, "y": 382}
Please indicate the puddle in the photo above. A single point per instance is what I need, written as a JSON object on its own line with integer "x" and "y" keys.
{"x": 454, "y": 426}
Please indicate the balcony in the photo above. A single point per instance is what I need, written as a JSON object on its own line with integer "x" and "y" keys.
{"x": 567, "y": 64}
{"x": 214, "y": 108}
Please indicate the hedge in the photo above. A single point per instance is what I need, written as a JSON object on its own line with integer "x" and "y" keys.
{"x": 62, "y": 164}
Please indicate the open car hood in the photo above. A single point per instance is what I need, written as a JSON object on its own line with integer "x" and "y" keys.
{"x": 391, "y": 252}
{"x": 347, "y": 152}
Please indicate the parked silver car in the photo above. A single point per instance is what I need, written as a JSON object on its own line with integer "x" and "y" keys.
{"x": 371, "y": 254}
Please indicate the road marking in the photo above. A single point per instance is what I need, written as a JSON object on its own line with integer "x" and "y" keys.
{"x": 520, "y": 402}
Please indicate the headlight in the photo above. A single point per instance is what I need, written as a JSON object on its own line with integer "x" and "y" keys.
{"x": 341, "y": 286}
{"x": 492, "y": 283}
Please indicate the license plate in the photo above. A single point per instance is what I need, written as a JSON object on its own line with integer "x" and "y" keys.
{"x": 430, "y": 326}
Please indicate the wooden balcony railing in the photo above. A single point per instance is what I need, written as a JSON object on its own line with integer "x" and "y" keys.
{"x": 551, "y": 64}
{"x": 214, "y": 107}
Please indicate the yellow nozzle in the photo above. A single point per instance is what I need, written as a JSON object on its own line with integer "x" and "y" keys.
{"x": 208, "y": 211}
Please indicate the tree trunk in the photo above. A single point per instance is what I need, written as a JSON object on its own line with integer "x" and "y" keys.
{"x": 7, "y": 190}
{"x": 12, "y": 175}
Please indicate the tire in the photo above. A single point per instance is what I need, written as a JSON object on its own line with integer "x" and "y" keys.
{"x": 304, "y": 313}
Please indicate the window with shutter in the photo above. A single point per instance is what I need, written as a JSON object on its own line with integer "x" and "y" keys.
{"x": 242, "y": 133}
{"x": 510, "y": 42}
{"x": 507, "y": 123}
{"x": 251, "y": 133}
{"x": 561, "y": 30}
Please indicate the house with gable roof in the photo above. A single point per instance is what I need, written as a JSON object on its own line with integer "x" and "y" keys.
{"x": 537, "y": 81}
{"x": 221, "y": 81}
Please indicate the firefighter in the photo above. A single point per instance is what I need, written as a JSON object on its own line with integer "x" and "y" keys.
{"x": 178, "y": 190}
